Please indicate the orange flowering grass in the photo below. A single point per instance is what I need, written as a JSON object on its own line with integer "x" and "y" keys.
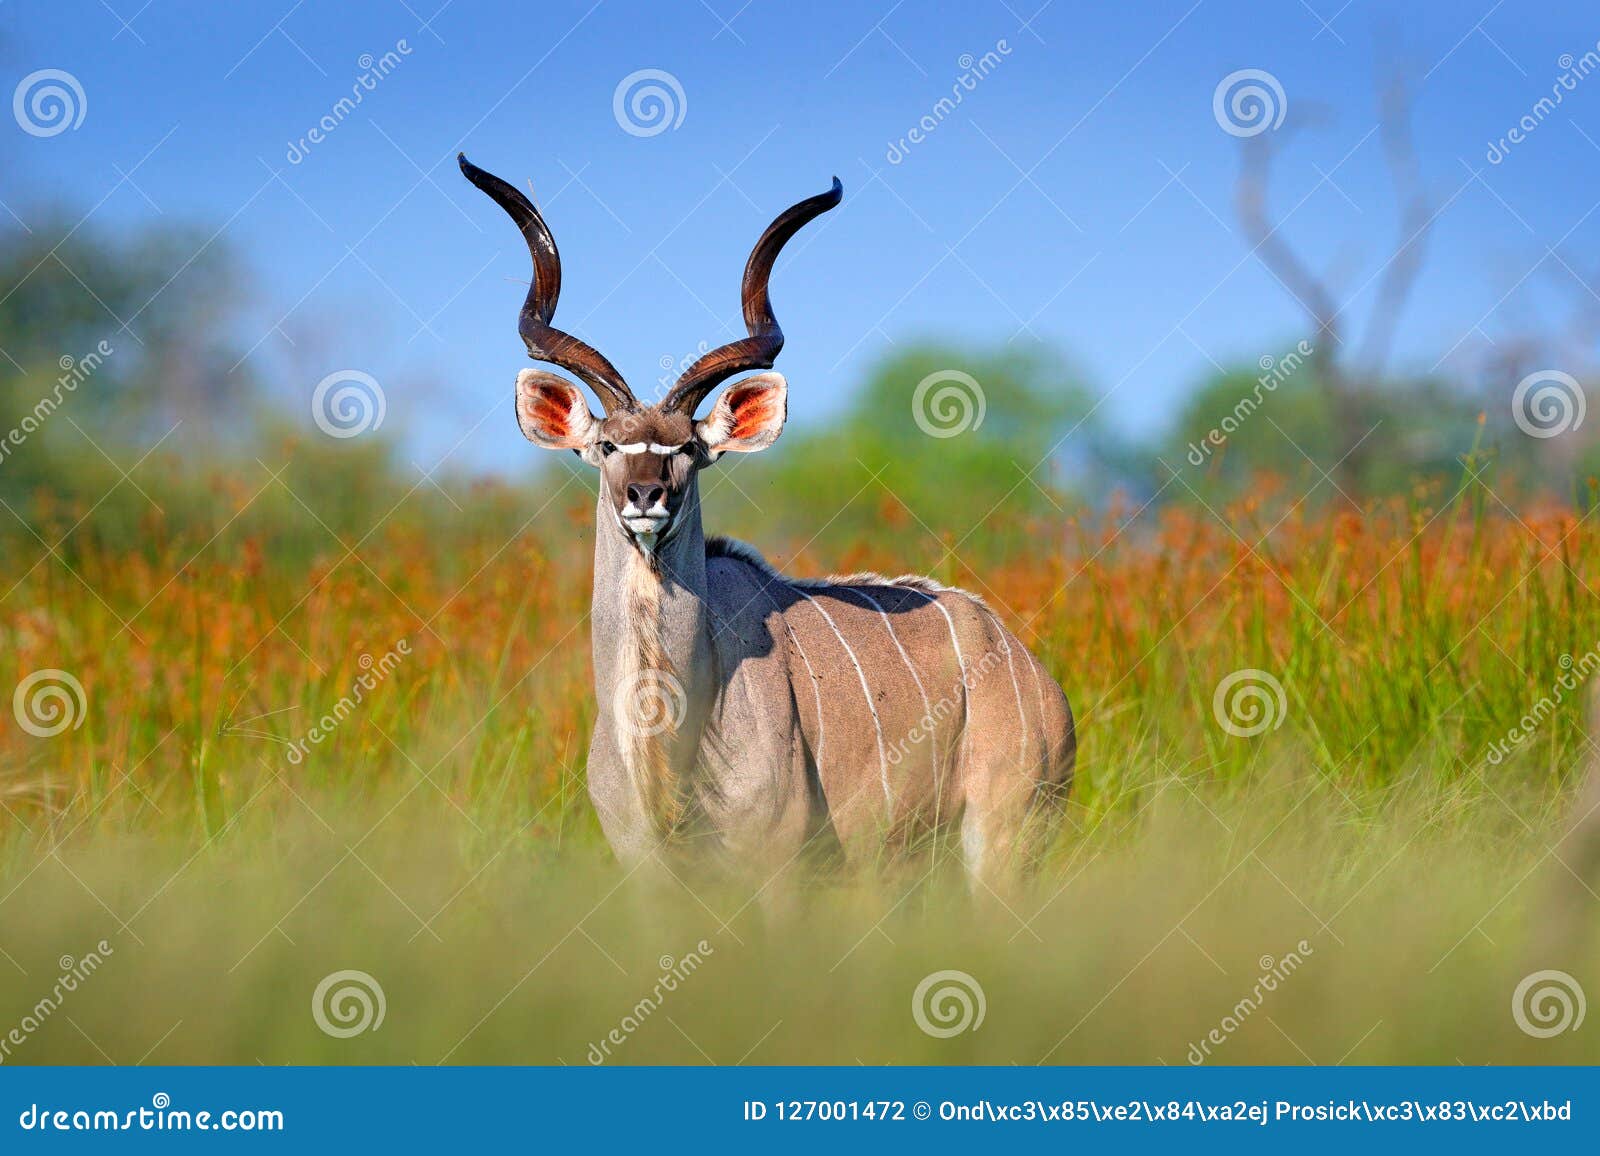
{"x": 222, "y": 663}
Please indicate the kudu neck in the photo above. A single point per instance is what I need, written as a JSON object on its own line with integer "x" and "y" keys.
{"x": 671, "y": 581}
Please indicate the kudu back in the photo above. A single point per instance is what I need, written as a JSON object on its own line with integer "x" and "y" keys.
{"x": 748, "y": 713}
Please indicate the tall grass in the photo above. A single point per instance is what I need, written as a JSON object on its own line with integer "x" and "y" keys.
{"x": 233, "y": 850}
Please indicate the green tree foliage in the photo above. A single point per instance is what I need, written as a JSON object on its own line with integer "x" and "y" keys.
{"x": 89, "y": 456}
{"x": 943, "y": 460}
{"x": 163, "y": 295}
{"x": 1245, "y": 424}
{"x": 145, "y": 319}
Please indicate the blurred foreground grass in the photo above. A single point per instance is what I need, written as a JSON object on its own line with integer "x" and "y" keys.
{"x": 232, "y": 851}
{"x": 1408, "y": 943}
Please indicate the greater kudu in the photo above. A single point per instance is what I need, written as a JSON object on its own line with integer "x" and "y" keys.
{"x": 750, "y": 711}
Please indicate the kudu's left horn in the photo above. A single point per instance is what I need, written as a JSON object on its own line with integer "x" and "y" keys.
{"x": 544, "y": 341}
{"x": 760, "y": 349}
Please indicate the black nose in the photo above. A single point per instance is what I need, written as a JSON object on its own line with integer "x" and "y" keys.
{"x": 645, "y": 494}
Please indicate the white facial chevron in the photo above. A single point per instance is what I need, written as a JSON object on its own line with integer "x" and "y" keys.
{"x": 649, "y": 448}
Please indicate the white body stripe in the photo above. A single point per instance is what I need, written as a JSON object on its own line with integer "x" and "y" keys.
{"x": 866, "y": 692}
{"x": 815, "y": 692}
{"x": 961, "y": 664}
{"x": 1022, "y": 718}
{"x": 927, "y": 707}
{"x": 1038, "y": 689}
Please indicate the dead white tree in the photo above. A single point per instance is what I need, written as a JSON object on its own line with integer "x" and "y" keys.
{"x": 1348, "y": 376}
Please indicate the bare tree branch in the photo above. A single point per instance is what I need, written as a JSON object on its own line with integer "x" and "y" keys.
{"x": 1416, "y": 219}
{"x": 1250, "y": 202}
{"x": 1349, "y": 383}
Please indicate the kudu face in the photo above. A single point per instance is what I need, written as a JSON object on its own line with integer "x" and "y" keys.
{"x": 648, "y": 456}
{"x": 646, "y": 462}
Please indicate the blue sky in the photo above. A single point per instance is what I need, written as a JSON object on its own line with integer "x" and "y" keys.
{"x": 1081, "y": 193}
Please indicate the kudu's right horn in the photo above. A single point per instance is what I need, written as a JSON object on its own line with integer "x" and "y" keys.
{"x": 760, "y": 349}
{"x": 544, "y": 341}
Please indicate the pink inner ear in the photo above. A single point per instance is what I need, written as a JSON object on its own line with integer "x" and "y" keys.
{"x": 754, "y": 410}
{"x": 549, "y": 411}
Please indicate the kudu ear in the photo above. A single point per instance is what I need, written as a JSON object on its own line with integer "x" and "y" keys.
{"x": 748, "y": 416}
{"x": 552, "y": 412}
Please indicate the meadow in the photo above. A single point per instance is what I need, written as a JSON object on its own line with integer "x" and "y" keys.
{"x": 337, "y": 722}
